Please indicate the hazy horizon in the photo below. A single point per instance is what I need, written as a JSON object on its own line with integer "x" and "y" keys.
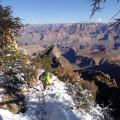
{"x": 71, "y": 23}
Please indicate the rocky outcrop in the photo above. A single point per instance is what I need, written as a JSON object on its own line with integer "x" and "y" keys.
{"x": 111, "y": 68}
{"x": 11, "y": 40}
{"x": 97, "y": 76}
{"x": 15, "y": 103}
{"x": 57, "y": 59}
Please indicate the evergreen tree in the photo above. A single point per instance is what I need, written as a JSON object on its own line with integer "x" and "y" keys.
{"x": 9, "y": 26}
{"x": 46, "y": 62}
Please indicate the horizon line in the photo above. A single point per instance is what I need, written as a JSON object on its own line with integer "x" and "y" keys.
{"x": 68, "y": 23}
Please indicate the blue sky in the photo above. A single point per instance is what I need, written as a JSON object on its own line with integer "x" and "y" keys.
{"x": 60, "y": 11}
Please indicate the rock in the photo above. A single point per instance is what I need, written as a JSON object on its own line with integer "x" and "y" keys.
{"x": 32, "y": 81}
{"x": 109, "y": 67}
{"x": 57, "y": 59}
{"x": 11, "y": 40}
{"x": 41, "y": 86}
{"x": 15, "y": 103}
{"x": 57, "y": 80}
{"x": 91, "y": 75}
{"x": 34, "y": 77}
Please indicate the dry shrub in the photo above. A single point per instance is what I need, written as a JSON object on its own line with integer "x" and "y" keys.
{"x": 32, "y": 81}
{"x": 26, "y": 60}
{"x": 86, "y": 94}
{"x": 31, "y": 68}
{"x": 33, "y": 78}
{"x": 2, "y": 68}
{"x": 28, "y": 68}
{"x": 91, "y": 86}
{"x": 66, "y": 75}
{"x": 35, "y": 73}
{"x": 38, "y": 65}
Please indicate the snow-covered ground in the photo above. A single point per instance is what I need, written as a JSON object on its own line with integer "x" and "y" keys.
{"x": 54, "y": 103}
{"x": 2, "y": 91}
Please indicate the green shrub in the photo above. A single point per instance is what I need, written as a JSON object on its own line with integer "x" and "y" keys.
{"x": 46, "y": 62}
{"x": 10, "y": 60}
{"x": 15, "y": 77}
{"x": 7, "y": 56}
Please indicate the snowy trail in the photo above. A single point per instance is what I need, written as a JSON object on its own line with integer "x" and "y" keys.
{"x": 52, "y": 104}
{"x": 57, "y": 102}
{"x": 35, "y": 109}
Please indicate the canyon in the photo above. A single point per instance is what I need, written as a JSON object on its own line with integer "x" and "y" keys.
{"x": 88, "y": 46}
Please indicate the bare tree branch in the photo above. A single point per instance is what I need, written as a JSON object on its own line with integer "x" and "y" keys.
{"x": 115, "y": 15}
{"x": 116, "y": 23}
{"x": 97, "y": 6}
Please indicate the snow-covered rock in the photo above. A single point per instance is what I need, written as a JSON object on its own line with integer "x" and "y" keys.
{"x": 2, "y": 90}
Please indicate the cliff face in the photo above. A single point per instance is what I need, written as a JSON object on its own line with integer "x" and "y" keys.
{"x": 90, "y": 36}
{"x": 111, "y": 68}
{"x": 108, "y": 93}
{"x": 97, "y": 76}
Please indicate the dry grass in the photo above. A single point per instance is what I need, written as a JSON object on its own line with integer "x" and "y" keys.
{"x": 33, "y": 78}
{"x": 38, "y": 65}
{"x": 66, "y": 75}
{"x": 91, "y": 86}
{"x": 86, "y": 92}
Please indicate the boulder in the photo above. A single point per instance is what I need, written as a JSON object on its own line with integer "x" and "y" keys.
{"x": 15, "y": 103}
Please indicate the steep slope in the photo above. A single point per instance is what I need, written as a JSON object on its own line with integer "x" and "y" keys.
{"x": 91, "y": 75}
{"x": 108, "y": 93}
{"x": 55, "y": 103}
{"x": 111, "y": 68}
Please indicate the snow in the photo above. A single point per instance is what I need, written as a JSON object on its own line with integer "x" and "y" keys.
{"x": 57, "y": 103}
{"x": 2, "y": 90}
{"x": 54, "y": 103}
{"x": 20, "y": 76}
{"x": 2, "y": 77}
{"x": 8, "y": 55}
